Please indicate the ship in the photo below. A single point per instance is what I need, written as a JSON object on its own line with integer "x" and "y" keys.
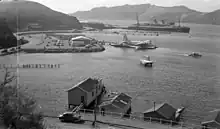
{"x": 158, "y": 27}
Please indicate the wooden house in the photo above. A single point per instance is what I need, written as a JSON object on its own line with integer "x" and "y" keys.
{"x": 85, "y": 92}
{"x": 212, "y": 120}
{"x": 159, "y": 112}
{"x": 121, "y": 103}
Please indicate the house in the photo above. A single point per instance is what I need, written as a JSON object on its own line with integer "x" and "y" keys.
{"x": 212, "y": 120}
{"x": 162, "y": 111}
{"x": 121, "y": 103}
{"x": 80, "y": 41}
{"x": 84, "y": 92}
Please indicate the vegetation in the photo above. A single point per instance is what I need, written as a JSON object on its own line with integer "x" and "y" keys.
{"x": 30, "y": 15}
{"x": 18, "y": 109}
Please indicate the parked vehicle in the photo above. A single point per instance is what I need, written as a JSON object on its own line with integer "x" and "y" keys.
{"x": 70, "y": 117}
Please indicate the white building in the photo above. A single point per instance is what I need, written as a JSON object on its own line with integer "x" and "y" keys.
{"x": 80, "y": 41}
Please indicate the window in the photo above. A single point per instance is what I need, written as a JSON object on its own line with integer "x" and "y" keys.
{"x": 82, "y": 99}
{"x": 92, "y": 94}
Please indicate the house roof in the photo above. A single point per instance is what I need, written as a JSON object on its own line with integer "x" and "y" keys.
{"x": 119, "y": 101}
{"x": 87, "y": 85}
{"x": 163, "y": 109}
{"x": 213, "y": 116}
{"x": 81, "y": 38}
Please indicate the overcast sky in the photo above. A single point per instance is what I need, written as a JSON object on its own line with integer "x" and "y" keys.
{"x": 70, "y": 6}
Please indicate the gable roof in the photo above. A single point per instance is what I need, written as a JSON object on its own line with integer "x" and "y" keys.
{"x": 119, "y": 101}
{"x": 163, "y": 109}
{"x": 123, "y": 97}
{"x": 213, "y": 116}
{"x": 87, "y": 85}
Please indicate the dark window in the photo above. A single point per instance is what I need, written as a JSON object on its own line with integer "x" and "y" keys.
{"x": 92, "y": 93}
{"x": 82, "y": 99}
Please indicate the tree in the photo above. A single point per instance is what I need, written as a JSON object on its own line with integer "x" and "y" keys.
{"x": 19, "y": 109}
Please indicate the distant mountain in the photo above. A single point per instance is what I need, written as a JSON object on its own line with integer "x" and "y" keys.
{"x": 33, "y": 13}
{"x": 148, "y": 12}
{"x": 205, "y": 18}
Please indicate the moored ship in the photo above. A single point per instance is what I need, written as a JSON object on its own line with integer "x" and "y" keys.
{"x": 156, "y": 26}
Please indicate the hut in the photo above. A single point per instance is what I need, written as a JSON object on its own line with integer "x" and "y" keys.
{"x": 85, "y": 92}
{"x": 212, "y": 120}
{"x": 120, "y": 104}
{"x": 164, "y": 112}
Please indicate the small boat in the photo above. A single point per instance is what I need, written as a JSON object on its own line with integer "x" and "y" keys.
{"x": 195, "y": 54}
{"x": 179, "y": 111}
{"x": 146, "y": 61}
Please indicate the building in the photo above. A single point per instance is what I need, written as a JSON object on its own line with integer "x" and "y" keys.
{"x": 84, "y": 92}
{"x": 121, "y": 103}
{"x": 162, "y": 111}
{"x": 80, "y": 41}
{"x": 212, "y": 120}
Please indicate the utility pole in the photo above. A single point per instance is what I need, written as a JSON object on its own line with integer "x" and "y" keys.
{"x": 94, "y": 123}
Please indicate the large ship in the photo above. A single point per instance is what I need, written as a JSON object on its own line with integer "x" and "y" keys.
{"x": 156, "y": 26}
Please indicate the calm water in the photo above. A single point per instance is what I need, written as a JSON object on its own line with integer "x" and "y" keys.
{"x": 174, "y": 78}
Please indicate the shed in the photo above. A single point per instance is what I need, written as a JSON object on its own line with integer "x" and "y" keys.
{"x": 81, "y": 41}
{"x": 84, "y": 92}
{"x": 121, "y": 103}
{"x": 212, "y": 120}
{"x": 162, "y": 111}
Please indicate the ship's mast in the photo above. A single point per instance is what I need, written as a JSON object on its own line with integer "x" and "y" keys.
{"x": 137, "y": 21}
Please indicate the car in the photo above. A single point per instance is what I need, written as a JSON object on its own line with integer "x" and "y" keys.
{"x": 70, "y": 117}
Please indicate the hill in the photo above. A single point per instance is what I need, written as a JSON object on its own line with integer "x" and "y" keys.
{"x": 33, "y": 13}
{"x": 147, "y": 12}
{"x": 205, "y": 18}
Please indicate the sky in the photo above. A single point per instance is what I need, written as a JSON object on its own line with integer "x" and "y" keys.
{"x": 71, "y": 6}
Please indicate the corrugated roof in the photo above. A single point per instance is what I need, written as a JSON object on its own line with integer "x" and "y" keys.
{"x": 86, "y": 85}
{"x": 163, "y": 109}
{"x": 124, "y": 97}
{"x": 213, "y": 116}
{"x": 119, "y": 101}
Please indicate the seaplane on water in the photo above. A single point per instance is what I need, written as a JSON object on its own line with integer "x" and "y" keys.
{"x": 146, "y": 61}
{"x": 147, "y": 44}
{"x": 125, "y": 43}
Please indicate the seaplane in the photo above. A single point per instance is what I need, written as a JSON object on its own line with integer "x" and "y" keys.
{"x": 125, "y": 43}
{"x": 147, "y": 44}
{"x": 146, "y": 61}
{"x": 138, "y": 45}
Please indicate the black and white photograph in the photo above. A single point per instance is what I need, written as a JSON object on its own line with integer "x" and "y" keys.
{"x": 109, "y": 64}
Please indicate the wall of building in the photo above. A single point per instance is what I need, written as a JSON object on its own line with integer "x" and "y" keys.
{"x": 74, "y": 96}
{"x": 153, "y": 115}
{"x": 92, "y": 96}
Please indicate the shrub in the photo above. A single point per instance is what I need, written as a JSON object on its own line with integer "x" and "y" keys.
{"x": 19, "y": 109}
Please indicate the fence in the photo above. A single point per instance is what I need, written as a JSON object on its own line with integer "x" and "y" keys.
{"x": 140, "y": 118}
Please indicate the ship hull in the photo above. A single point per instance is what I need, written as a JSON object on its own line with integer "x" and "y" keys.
{"x": 175, "y": 29}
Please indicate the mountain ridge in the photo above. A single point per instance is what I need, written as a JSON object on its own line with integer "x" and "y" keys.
{"x": 29, "y": 12}
{"x": 148, "y": 12}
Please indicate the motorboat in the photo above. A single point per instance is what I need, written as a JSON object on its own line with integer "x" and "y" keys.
{"x": 178, "y": 113}
{"x": 195, "y": 54}
{"x": 146, "y": 61}
{"x": 145, "y": 45}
